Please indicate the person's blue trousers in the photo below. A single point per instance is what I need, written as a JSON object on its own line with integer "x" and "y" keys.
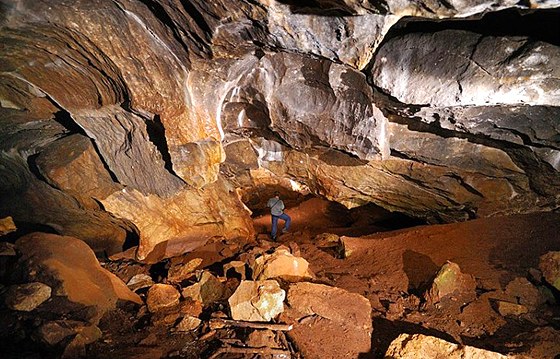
{"x": 275, "y": 219}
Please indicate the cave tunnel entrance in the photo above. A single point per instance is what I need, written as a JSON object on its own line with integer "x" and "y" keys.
{"x": 312, "y": 214}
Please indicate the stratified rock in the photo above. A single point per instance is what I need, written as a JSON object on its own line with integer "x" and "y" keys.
{"x": 281, "y": 264}
{"x": 207, "y": 290}
{"x": 7, "y": 225}
{"x": 27, "y": 297}
{"x": 451, "y": 283}
{"x": 139, "y": 281}
{"x": 188, "y": 323}
{"x": 179, "y": 272}
{"x": 162, "y": 296}
{"x": 321, "y": 313}
{"x": 72, "y": 165}
{"x": 257, "y": 301}
{"x": 187, "y": 220}
{"x": 58, "y": 210}
{"x": 480, "y": 70}
{"x": 549, "y": 265}
{"x": 71, "y": 269}
{"x": 412, "y": 346}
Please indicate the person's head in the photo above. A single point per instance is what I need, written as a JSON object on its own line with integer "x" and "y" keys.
{"x": 277, "y": 194}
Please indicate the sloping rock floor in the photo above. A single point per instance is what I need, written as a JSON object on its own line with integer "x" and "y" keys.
{"x": 487, "y": 288}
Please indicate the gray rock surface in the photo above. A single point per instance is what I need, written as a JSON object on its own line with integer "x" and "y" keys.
{"x": 27, "y": 297}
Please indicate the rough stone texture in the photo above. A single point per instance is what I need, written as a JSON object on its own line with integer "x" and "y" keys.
{"x": 207, "y": 290}
{"x": 480, "y": 70}
{"x": 257, "y": 301}
{"x": 27, "y": 297}
{"x": 7, "y": 225}
{"x": 175, "y": 95}
{"x": 162, "y": 296}
{"x": 71, "y": 164}
{"x": 320, "y": 313}
{"x": 139, "y": 281}
{"x": 451, "y": 282}
{"x": 70, "y": 268}
{"x": 188, "y": 323}
{"x": 178, "y": 224}
{"x": 179, "y": 272}
{"x": 549, "y": 265}
{"x": 281, "y": 264}
{"x": 423, "y": 346}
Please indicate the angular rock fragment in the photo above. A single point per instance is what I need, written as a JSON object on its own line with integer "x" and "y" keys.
{"x": 139, "y": 281}
{"x": 208, "y": 290}
{"x": 52, "y": 333}
{"x": 549, "y": 265}
{"x": 7, "y": 225}
{"x": 413, "y": 346}
{"x": 257, "y": 301}
{"x": 162, "y": 296}
{"x": 238, "y": 267}
{"x": 188, "y": 323}
{"x": 26, "y": 297}
{"x": 281, "y": 264}
{"x": 450, "y": 282}
{"x": 510, "y": 309}
{"x": 179, "y": 272}
{"x": 321, "y": 313}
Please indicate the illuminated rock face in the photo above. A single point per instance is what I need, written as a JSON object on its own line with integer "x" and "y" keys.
{"x": 145, "y": 119}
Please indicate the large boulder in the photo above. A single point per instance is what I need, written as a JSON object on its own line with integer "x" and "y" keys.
{"x": 409, "y": 346}
{"x": 257, "y": 301}
{"x": 281, "y": 264}
{"x": 321, "y": 313}
{"x": 70, "y": 268}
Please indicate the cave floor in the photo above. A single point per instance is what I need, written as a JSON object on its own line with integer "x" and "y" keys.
{"x": 393, "y": 269}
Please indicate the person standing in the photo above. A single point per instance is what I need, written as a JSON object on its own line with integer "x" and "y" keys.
{"x": 276, "y": 206}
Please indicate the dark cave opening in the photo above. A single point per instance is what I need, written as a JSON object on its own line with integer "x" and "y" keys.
{"x": 541, "y": 25}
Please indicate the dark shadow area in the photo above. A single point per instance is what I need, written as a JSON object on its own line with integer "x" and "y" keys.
{"x": 385, "y": 331}
{"x": 132, "y": 239}
{"x": 420, "y": 270}
{"x": 319, "y": 7}
{"x": 156, "y": 134}
{"x": 63, "y": 117}
{"x": 542, "y": 25}
{"x": 24, "y": 228}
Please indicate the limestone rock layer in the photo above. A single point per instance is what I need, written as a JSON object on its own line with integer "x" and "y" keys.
{"x": 143, "y": 121}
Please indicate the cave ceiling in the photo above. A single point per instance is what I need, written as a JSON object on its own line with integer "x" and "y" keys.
{"x": 152, "y": 118}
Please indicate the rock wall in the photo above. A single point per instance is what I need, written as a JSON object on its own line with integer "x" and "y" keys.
{"x": 143, "y": 119}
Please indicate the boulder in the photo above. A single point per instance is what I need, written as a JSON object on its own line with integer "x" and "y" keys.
{"x": 549, "y": 264}
{"x": 320, "y": 314}
{"x": 412, "y": 346}
{"x": 207, "y": 290}
{"x": 281, "y": 264}
{"x": 162, "y": 296}
{"x": 70, "y": 268}
{"x": 52, "y": 333}
{"x": 26, "y": 297}
{"x": 7, "y": 225}
{"x": 179, "y": 272}
{"x": 523, "y": 292}
{"x": 77, "y": 346}
{"x": 451, "y": 283}
{"x": 257, "y": 301}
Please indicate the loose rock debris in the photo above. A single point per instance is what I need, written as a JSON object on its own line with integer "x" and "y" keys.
{"x": 314, "y": 301}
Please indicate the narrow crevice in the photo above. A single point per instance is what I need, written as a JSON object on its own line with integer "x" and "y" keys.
{"x": 156, "y": 135}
